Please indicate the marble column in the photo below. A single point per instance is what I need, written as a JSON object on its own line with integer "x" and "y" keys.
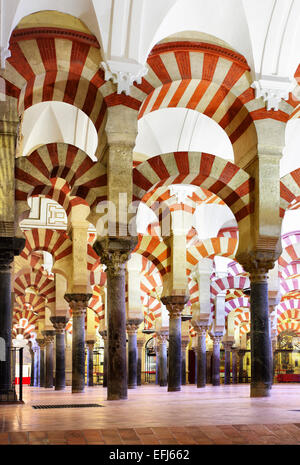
{"x": 9, "y": 247}
{"x": 49, "y": 341}
{"x": 105, "y": 355}
{"x": 163, "y": 358}
{"x": 132, "y": 327}
{"x": 59, "y": 324}
{"x": 234, "y": 366}
{"x": 41, "y": 343}
{"x": 261, "y": 351}
{"x": 274, "y": 359}
{"x": 175, "y": 305}
{"x": 201, "y": 357}
{"x": 209, "y": 367}
{"x": 241, "y": 354}
{"x": 114, "y": 252}
{"x": 90, "y": 363}
{"x": 184, "y": 344}
{"x": 227, "y": 347}
{"x": 157, "y": 364}
{"x": 31, "y": 351}
{"x": 216, "y": 360}
{"x": 36, "y": 357}
{"x": 140, "y": 345}
{"x": 195, "y": 350}
{"x": 78, "y": 303}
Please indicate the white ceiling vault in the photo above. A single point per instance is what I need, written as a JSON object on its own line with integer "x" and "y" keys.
{"x": 265, "y": 32}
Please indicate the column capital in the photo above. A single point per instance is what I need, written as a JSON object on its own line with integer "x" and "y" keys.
{"x": 90, "y": 343}
{"x": 184, "y": 343}
{"x": 227, "y": 345}
{"x": 161, "y": 337}
{"x": 78, "y": 303}
{"x": 41, "y": 343}
{"x": 201, "y": 330}
{"x": 217, "y": 339}
{"x": 103, "y": 334}
{"x": 175, "y": 304}
{"x": 49, "y": 337}
{"x": 59, "y": 323}
{"x": 114, "y": 252}
{"x": 258, "y": 263}
{"x": 9, "y": 248}
{"x": 132, "y": 325}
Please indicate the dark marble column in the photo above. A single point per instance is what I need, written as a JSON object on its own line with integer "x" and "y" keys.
{"x": 184, "y": 344}
{"x": 163, "y": 358}
{"x": 209, "y": 367}
{"x": 216, "y": 360}
{"x": 114, "y": 252}
{"x": 41, "y": 344}
{"x": 175, "y": 305}
{"x": 275, "y": 359}
{"x": 234, "y": 366}
{"x": 140, "y": 345}
{"x": 261, "y": 351}
{"x": 49, "y": 341}
{"x": 59, "y": 324}
{"x": 31, "y": 351}
{"x": 227, "y": 347}
{"x": 90, "y": 363}
{"x": 241, "y": 354}
{"x": 9, "y": 247}
{"x": 36, "y": 351}
{"x": 201, "y": 357}
{"x": 132, "y": 327}
{"x": 157, "y": 364}
{"x": 78, "y": 303}
{"x": 195, "y": 350}
{"x": 105, "y": 355}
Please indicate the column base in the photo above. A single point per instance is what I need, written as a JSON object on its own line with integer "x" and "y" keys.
{"x": 9, "y": 396}
{"x": 174, "y": 389}
{"x": 201, "y": 385}
{"x": 133, "y": 386}
{"x": 60, "y": 388}
{"x": 116, "y": 397}
{"x": 260, "y": 390}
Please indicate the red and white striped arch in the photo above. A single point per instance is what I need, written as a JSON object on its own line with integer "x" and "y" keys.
{"x": 152, "y": 310}
{"x": 289, "y": 191}
{"x": 235, "y": 269}
{"x": 288, "y": 306}
{"x": 156, "y": 251}
{"x": 289, "y": 285}
{"x": 204, "y": 77}
{"x": 209, "y": 248}
{"x": 234, "y": 304}
{"x": 230, "y": 282}
{"x": 53, "y": 241}
{"x": 290, "y": 254}
{"x": 96, "y": 302}
{"x": 44, "y": 286}
{"x": 37, "y": 174}
{"x": 290, "y": 271}
{"x": 53, "y": 64}
{"x": 289, "y": 326}
{"x": 241, "y": 315}
{"x": 224, "y": 179}
{"x": 33, "y": 302}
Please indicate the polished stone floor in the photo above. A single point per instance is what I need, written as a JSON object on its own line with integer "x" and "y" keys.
{"x": 151, "y": 415}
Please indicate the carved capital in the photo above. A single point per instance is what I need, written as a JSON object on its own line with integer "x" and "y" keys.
{"x": 78, "y": 303}
{"x": 103, "y": 334}
{"x": 114, "y": 253}
{"x": 48, "y": 337}
{"x": 9, "y": 248}
{"x": 258, "y": 263}
{"x": 227, "y": 345}
{"x": 217, "y": 339}
{"x": 132, "y": 325}
{"x": 175, "y": 304}
{"x": 90, "y": 344}
{"x": 161, "y": 337}
{"x": 41, "y": 343}
{"x": 59, "y": 323}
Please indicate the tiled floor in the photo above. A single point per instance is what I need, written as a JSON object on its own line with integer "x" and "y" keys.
{"x": 151, "y": 415}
